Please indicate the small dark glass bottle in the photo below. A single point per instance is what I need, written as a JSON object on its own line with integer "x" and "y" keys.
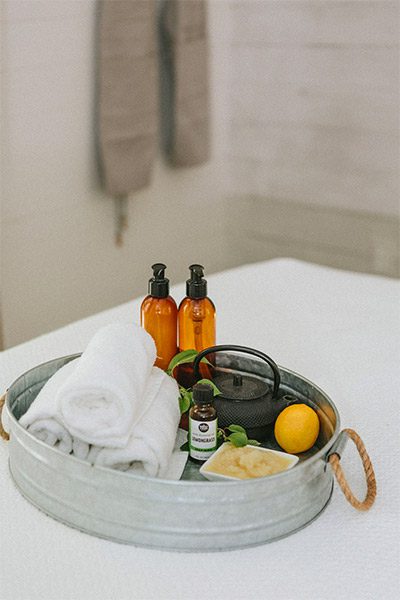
{"x": 202, "y": 423}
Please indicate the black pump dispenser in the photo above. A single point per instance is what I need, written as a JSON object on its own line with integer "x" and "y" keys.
{"x": 196, "y": 286}
{"x": 159, "y": 284}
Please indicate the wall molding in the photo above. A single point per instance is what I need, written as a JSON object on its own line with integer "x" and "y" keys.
{"x": 262, "y": 228}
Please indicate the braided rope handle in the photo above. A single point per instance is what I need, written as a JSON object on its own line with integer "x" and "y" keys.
{"x": 3, "y": 432}
{"x": 334, "y": 461}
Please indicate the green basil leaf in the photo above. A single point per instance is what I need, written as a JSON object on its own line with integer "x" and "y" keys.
{"x": 212, "y": 384}
{"x": 238, "y": 439}
{"x": 184, "y": 402}
{"x": 253, "y": 443}
{"x": 186, "y": 356}
{"x": 236, "y": 428}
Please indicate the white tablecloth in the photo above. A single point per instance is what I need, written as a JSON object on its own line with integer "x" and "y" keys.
{"x": 339, "y": 329}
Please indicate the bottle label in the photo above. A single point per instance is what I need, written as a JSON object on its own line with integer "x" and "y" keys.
{"x": 202, "y": 438}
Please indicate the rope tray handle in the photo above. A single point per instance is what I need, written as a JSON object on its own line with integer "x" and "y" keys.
{"x": 3, "y": 432}
{"x": 334, "y": 460}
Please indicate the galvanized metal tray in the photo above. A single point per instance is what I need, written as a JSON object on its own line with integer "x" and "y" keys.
{"x": 188, "y": 515}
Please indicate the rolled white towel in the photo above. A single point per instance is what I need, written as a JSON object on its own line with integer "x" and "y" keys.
{"x": 104, "y": 397}
{"x": 151, "y": 443}
{"x": 42, "y": 420}
{"x": 52, "y": 433}
{"x": 80, "y": 449}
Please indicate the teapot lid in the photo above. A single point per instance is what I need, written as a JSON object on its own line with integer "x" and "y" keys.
{"x": 241, "y": 387}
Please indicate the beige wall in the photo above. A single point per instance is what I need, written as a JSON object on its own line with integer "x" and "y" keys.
{"x": 314, "y": 116}
{"x": 58, "y": 257}
{"x": 305, "y": 151}
{"x": 313, "y": 132}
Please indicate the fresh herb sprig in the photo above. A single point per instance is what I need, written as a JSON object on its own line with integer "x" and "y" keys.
{"x": 237, "y": 436}
{"x": 186, "y": 356}
{"x": 186, "y": 394}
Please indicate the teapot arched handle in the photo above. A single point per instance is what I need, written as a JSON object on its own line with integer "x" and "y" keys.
{"x": 245, "y": 350}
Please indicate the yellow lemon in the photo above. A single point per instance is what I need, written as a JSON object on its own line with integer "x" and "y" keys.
{"x": 297, "y": 428}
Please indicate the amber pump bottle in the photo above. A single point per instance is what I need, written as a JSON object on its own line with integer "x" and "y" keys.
{"x": 196, "y": 315}
{"x": 158, "y": 316}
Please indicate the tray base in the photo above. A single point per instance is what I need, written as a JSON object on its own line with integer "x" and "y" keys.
{"x": 168, "y": 548}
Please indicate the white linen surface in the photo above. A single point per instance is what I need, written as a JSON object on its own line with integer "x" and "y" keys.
{"x": 104, "y": 396}
{"x": 340, "y": 330}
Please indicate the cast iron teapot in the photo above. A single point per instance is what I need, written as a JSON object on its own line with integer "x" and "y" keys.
{"x": 245, "y": 399}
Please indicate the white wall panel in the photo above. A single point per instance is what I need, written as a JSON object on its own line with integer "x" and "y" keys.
{"x": 296, "y": 22}
{"x": 315, "y": 94}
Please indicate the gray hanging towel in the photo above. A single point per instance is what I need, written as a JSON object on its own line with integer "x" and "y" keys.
{"x": 185, "y": 102}
{"x": 127, "y": 93}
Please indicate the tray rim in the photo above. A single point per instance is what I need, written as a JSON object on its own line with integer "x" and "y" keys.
{"x": 321, "y": 454}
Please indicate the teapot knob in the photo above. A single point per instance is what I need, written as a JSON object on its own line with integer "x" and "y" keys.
{"x": 237, "y": 380}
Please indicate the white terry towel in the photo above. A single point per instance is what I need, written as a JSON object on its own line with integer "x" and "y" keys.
{"x": 104, "y": 397}
{"x": 42, "y": 420}
{"x": 151, "y": 444}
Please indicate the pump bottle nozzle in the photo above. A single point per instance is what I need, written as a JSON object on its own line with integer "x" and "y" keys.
{"x": 159, "y": 284}
{"x": 159, "y": 270}
{"x": 196, "y": 272}
{"x": 196, "y": 286}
